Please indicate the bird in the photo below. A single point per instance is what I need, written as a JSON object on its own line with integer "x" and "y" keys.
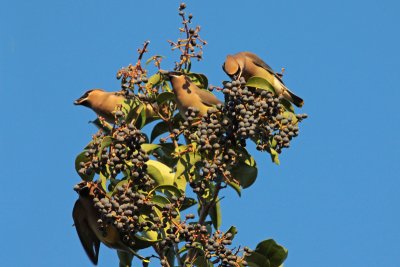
{"x": 188, "y": 94}
{"x": 85, "y": 217}
{"x": 105, "y": 103}
{"x": 247, "y": 65}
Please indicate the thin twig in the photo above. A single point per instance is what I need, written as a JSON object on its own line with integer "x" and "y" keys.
{"x": 143, "y": 50}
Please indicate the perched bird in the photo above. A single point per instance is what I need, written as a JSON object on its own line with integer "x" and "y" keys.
{"x": 105, "y": 103}
{"x": 101, "y": 102}
{"x": 85, "y": 217}
{"x": 247, "y": 64}
{"x": 188, "y": 94}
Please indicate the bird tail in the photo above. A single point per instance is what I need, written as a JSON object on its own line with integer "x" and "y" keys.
{"x": 289, "y": 95}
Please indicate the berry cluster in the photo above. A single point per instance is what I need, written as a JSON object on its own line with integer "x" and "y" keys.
{"x": 259, "y": 115}
{"x": 214, "y": 247}
{"x": 192, "y": 45}
{"x": 130, "y": 211}
{"x": 215, "y": 143}
{"x": 140, "y": 201}
{"x": 120, "y": 153}
{"x": 134, "y": 75}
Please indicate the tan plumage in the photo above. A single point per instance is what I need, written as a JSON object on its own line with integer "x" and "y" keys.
{"x": 85, "y": 217}
{"x": 247, "y": 65}
{"x": 105, "y": 103}
{"x": 188, "y": 94}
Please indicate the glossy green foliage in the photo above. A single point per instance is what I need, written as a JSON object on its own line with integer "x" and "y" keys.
{"x": 267, "y": 254}
{"x": 141, "y": 176}
{"x": 172, "y": 168}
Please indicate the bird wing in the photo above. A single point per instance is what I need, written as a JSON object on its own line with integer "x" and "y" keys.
{"x": 90, "y": 242}
{"x": 259, "y": 62}
{"x": 207, "y": 98}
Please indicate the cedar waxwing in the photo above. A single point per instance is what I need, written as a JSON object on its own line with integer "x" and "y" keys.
{"x": 246, "y": 64}
{"x": 85, "y": 217}
{"x": 105, "y": 103}
{"x": 187, "y": 95}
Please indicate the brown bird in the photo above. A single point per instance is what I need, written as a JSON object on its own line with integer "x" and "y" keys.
{"x": 105, "y": 103}
{"x": 85, "y": 217}
{"x": 247, "y": 65}
{"x": 188, "y": 94}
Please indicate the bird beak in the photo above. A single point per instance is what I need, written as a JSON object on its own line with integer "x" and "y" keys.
{"x": 80, "y": 100}
{"x": 174, "y": 74}
{"x": 163, "y": 72}
{"x": 169, "y": 74}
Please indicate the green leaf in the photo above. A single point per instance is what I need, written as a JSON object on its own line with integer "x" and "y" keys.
{"x": 215, "y": 214}
{"x": 141, "y": 243}
{"x": 154, "y": 80}
{"x": 198, "y": 79}
{"x": 150, "y": 113}
{"x": 135, "y": 112}
{"x": 274, "y": 156}
{"x": 165, "y": 96}
{"x": 82, "y": 158}
{"x": 167, "y": 190}
{"x": 131, "y": 109}
{"x": 160, "y": 200}
{"x": 272, "y": 142}
{"x": 201, "y": 260}
{"x": 149, "y": 60}
{"x": 152, "y": 58}
{"x": 182, "y": 250}
{"x": 89, "y": 145}
{"x": 120, "y": 183}
{"x": 164, "y": 154}
{"x": 232, "y": 230}
{"x": 187, "y": 203}
{"x": 257, "y": 260}
{"x": 148, "y": 236}
{"x": 160, "y": 172}
{"x": 236, "y": 187}
{"x": 105, "y": 126}
{"x": 106, "y": 142}
{"x": 186, "y": 162}
{"x": 287, "y": 105}
{"x": 185, "y": 166}
{"x": 165, "y": 86}
{"x": 125, "y": 258}
{"x": 260, "y": 83}
{"x": 113, "y": 182}
{"x": 290, "y": 115}
{"x": 181, "y": 167}
{"x": 170, "y": 254}
{"x": 103, "y": 181}
{"x": 275, "y": 253}
{"x": 177, "y": 120}
{"x": 245, "y": 171}
{"x": 189, "y": 65}
{"x": 141, "y": 118}
{"x": 181, "y": 182}
{"x": 159, "y": 129}
{"x": 149, "y": 147}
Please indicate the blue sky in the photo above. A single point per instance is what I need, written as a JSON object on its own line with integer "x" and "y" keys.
{"x": 333, "y": 201}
